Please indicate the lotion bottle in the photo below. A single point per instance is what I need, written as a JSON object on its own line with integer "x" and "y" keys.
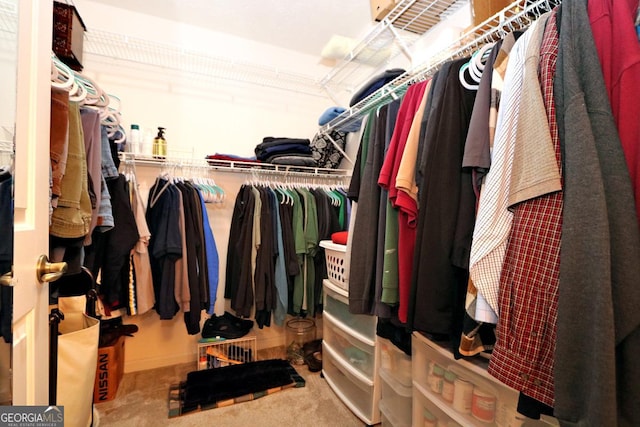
{"x": 160, "y": 145}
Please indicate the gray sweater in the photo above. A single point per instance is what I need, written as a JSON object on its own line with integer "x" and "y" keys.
{"x": 597, "y": 374}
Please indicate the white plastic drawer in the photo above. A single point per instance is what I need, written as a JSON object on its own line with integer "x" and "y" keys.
{"x": 427, "y": 414}
{"x": 478, "y": 398}
{"x": 356, "y": 394}
{"x": 351, "y": 351}
{"x": 463, "y": 390}
{"x": 336, "y": 307}
{"x": 393, "y": 360}
{"x": 395, "y": 400}
{"x": 392, "y": 417}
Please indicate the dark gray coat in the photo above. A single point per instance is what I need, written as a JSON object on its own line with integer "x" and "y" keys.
{"x": 597, "y": 372}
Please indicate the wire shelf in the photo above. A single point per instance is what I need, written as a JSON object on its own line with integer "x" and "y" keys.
{"x": 392, "y": 36}
{"x": 518, "y": 15}
{"x": 8, "y": 20}
{"x": 195, "y": 63}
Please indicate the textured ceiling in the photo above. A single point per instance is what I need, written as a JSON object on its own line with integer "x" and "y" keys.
{"x": 301, "y": 25}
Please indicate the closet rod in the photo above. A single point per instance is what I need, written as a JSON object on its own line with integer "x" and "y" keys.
{"x": 519, "y": 14}
{"x": 237, "y": 166}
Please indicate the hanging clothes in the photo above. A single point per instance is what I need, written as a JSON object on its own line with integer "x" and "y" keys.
{"x": 277, "y": 230}
{"x": 616, "y": 40}
{"x": 600, "y": 246}
{"x": 239, "y": 284}
{"x": 6, "y": 252}
{"x": 365, "y": 191}
{"x": 411, "y": 104}
{"x": 141, "y": 281}
{"x": 165, "y": 245}
{"x": 447, "y": 212}
{"x": 211, "y": 256}
{"x": 529, "y": 278}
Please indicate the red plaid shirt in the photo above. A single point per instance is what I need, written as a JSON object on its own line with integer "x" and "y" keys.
{"x": 528, "y": 297}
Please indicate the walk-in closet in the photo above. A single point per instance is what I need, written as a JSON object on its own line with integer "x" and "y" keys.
{"x": 363, "y": 212}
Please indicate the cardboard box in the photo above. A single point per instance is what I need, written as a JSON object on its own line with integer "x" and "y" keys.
{"x": 481, "y": 10}
{"x": 68, "y": 35}
{"x": 380, "y": 8}
{"x": 109, "y": 371}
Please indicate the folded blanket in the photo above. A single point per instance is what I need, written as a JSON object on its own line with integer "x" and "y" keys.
{"x": 292, "y": 160}
{"x": 263, "y": 153}
{"x": 231, "y": 157}
{"x": 270, "y": 141}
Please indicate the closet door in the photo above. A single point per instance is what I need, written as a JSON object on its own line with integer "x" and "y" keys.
{"x": 30, "y": 353}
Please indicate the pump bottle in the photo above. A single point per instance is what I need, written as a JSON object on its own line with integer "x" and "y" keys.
{"x": 160, "y": 145}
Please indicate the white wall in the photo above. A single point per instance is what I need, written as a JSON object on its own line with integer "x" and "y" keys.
{"x": 202, "y": 116}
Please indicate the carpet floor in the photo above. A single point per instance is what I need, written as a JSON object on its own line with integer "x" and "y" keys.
{"x": 141, "y": 401}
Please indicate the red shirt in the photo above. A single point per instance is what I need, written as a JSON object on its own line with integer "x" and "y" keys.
{"x": 387, "y": 180}
{"x": 614, "y": 32}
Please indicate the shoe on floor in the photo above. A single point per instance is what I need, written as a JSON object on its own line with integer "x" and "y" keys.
{"x": 312, "y": 352}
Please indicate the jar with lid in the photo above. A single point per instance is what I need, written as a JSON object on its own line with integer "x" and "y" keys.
{"x": 448, "y": 386}
{"x": 430, "y": 420}
{"x": 299, "y": 331}
{"x": 435, "y": 378}
{"x": 462, "y": 395}
{"x": 483, "y": 405}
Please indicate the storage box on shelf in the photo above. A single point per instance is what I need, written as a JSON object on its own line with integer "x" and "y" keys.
{"x": 396, "y": 393}
{"x": 349, "y": 360}
{"x": 461, "y": 389}
{"x": 337, "y": 263}
{"x": 225, "y": 352}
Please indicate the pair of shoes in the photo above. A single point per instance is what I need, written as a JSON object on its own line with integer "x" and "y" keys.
{"x": 313, "y": 355}
{"x": 221, "y": 326}
{"x": 244, "y": 324}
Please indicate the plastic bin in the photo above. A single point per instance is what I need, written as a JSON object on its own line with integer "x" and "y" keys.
{"x": 336, "y": 259}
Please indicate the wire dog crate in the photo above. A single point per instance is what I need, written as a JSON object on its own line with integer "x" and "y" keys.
{"x": 225, "y": 352}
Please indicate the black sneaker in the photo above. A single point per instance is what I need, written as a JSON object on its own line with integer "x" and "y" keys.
{"x": 243, "y": 324}
{"x": 220, "y": 326}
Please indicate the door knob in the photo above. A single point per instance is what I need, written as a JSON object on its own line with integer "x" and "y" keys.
{"x": 7, "y": 279}
{"x": 49, "y": 271}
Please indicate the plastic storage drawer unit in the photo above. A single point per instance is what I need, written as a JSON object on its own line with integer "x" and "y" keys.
{"x": 336, "y": 307}
{"x": 463, "y": 389}
{"x": 351, "y": 350}
{"x": 350, "y": 387}
{"x": 395, "y": 400}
